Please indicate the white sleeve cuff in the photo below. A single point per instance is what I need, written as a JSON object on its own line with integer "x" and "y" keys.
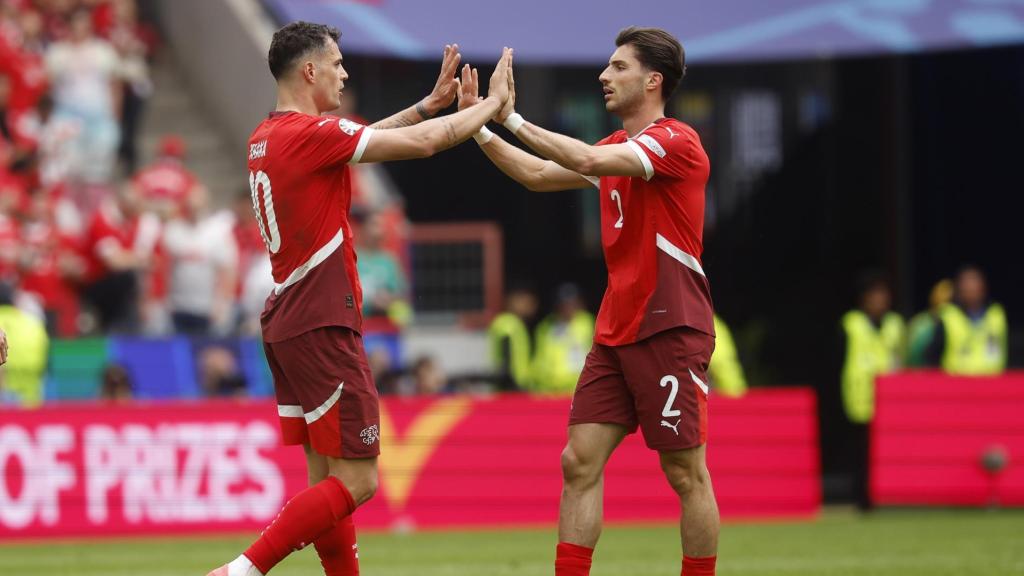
{"x": 364, "y": 139}
{"x": 648, "y": 167}
{"x": 593, "y": 180}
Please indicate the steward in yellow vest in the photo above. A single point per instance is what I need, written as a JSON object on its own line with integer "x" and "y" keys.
{"x": 971, "y": 338}
{"x": 22, "y": 376}
{"x": 562, "y": 341}
{"x": 872, "y": 348}
{"x": 508, "y": 339}
{"x": 725, "y": 370}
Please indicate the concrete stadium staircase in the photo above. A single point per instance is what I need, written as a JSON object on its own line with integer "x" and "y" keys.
{"x": 174, "y": 109}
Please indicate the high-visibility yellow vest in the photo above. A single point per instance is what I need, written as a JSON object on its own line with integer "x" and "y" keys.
{"x": 26, "y": 363}
{"x": 869, "y": 353}
{"x": 974, "y": 348}
{"x": 561, "y": 352}
{"x": 725, "y": 371}
{"x": 509, "y": 326}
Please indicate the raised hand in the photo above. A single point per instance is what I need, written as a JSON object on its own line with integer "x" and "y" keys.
{"x": 469, "y": 88}
{"x": 510, "y": 105}
{"x": 447, "y": 85}
{"x": 498, "y": 85}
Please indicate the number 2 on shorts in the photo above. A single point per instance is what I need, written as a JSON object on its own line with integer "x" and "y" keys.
{"x": 668, "y": 411}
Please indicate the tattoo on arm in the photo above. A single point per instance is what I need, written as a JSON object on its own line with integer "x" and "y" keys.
{"x": 422, "y": 110}
{"x": 396, "y": 121}
{"x": 450, "y": 131}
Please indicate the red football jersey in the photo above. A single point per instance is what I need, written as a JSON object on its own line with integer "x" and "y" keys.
{"x": 302, "y": 191}
{"x": 651, "y": 231}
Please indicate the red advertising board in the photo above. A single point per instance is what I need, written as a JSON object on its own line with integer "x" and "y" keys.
{"x": 932, "y": 434}
{"x": 175, "y": 468}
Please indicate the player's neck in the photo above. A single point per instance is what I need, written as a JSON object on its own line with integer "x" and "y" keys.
{"x": 288, "y": 101}
{"x": 642, "y": 117}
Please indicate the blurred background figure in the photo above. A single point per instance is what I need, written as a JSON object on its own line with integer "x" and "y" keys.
{"x": 255, "y": 280}
{"x": 562, "y": 342}
{"x": 921, "y": 329}
{"x": 424, "y": 378}
{"x": 508, "y": 339}
{"x": 116, "y": 384}
{"x": 85, "y": 74}
{"x": 971, "y": 336}
{"x": 22, "y": 375}
{"x": 120, "y": 248}
{"x": 118, "y": 22}
{"x": 165, "y": 184}
{"x": 202, "y": 259}
{"x": 725, "y": 370}
{"x": 873, "y": 341}
{"x": 219, "y": 373}
{"x": 385, "y": 292}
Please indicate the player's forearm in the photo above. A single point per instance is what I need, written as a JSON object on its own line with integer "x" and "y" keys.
{"x": 423, "y": 110}
{"x": 563, "y": 150}
{"x": 448, "y": 131}
{"x": 521, "y": 166}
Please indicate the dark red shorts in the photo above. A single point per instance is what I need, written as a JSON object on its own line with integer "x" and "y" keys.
{"x": 658, "y": 384}
{"x": 325, "y": 392}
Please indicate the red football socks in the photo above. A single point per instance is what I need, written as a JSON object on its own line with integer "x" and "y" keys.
{"x": 699, "y": 566}
{"x": 337, "y": 549}
{"x": 305, "y": 517}
{"x": 572, "y": 560}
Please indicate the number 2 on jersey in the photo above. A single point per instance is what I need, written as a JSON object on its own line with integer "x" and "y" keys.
{"x": 618, "y": 201}
{"x": 271, "y": 235}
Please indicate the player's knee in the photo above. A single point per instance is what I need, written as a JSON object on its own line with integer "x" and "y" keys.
{"x": 684, "y": 477}
{"x": 577, "y": 469}
{"x": 363, "y": 488}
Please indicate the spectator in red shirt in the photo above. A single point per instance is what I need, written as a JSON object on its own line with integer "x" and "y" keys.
{"x": 167, "y": 183}
{"x": 50, "y": 266}
{"x": 120, "y": 247}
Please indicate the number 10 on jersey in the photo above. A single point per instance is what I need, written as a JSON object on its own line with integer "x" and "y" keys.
{"x": 271, "y": 235}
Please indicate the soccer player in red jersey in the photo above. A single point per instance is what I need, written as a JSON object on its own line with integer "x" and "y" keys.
{"x": 299, "y": 177}
{"x": 654, "y": 333}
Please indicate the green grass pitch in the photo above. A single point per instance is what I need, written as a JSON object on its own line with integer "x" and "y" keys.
{"x": 900, "y": 542}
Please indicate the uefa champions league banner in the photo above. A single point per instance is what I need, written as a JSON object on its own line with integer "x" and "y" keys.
{"x": 454, "y": 461}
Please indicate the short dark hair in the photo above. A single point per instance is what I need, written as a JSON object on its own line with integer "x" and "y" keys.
{"x": 659, "y": 51}
{"x": 294, "y": 41}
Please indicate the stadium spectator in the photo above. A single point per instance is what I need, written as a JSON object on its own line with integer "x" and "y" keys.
{"x": 562, "y": 342}
{"x": 50, "y": 265}
{"x": 873, "y": 340}
{"x": 971, "y": 336}
{"x": 424, "y": 378}
{"x": 84, "y": 71}
{"x": 385, "y": 304}
{"x": 22, "y": 376}
{"x": 21, "y": 59}
{"x": 202, "y": 258}
{"x": 219, "y": 373}
{"x": 118, "y": 22}
{"x": 116, "y": 384}
{"x": 509, "y": 339}
{"x": 120, "y": 247}
{"x": 165, "y": 184}
{"x": 921, "y": 329}
{"x": 725, "y": 373}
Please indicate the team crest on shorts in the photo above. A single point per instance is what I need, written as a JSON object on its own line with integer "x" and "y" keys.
{"x": 370, "y": 434}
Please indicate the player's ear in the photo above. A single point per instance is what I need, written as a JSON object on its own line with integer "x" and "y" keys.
{"x": 309, "y": 72}
{"x": 654, "y": 81}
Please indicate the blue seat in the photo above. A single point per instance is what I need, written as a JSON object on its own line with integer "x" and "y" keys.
{"x": 259, "y": 381}
{"x": 160, "y": 368}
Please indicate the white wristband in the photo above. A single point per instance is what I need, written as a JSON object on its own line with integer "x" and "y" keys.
{"x": 514, "y": 122}
{"x": 483, "y": 136}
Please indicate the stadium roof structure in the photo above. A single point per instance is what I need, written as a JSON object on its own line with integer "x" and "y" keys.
{"x": 582, "y": 31}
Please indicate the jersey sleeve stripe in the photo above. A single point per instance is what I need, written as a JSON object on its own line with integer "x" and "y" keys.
{"x": 648, "y": 167}
{"x": 315, "y": 260}
{"x": 678, "y": 254}
{"x": 364, "y": 139}
{"x": 593, "y": 180}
